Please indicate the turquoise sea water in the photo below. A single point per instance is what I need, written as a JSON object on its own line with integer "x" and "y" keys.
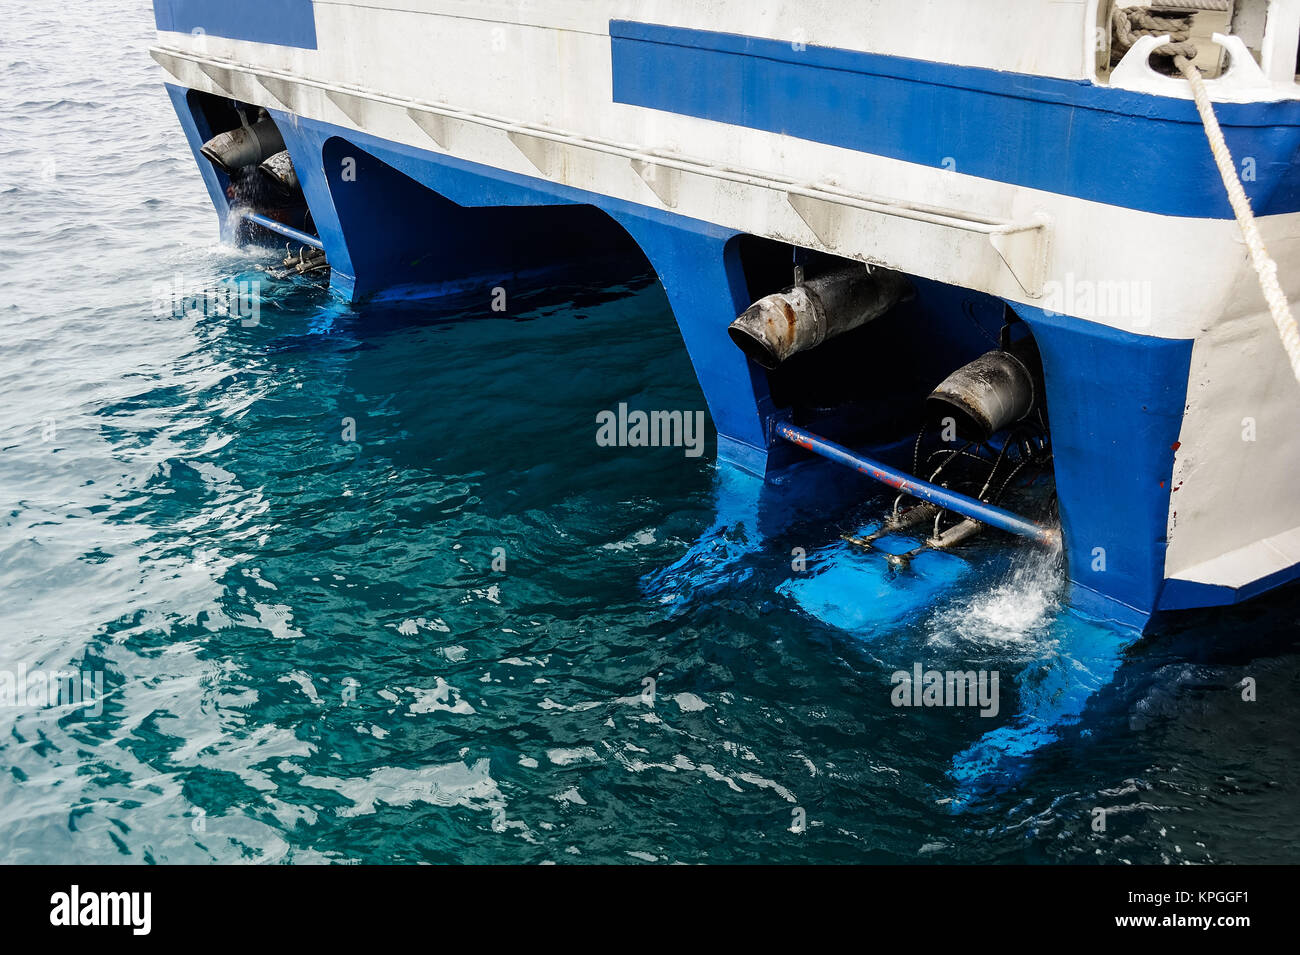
{"x": 308, "y": 653}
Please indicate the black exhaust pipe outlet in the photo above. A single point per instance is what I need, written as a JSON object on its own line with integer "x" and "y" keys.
{"x": 808, "y": 313}
{"x": 244, "y": 146}
{"x": 279, "y": 169}
{"x": 991, "y": 393}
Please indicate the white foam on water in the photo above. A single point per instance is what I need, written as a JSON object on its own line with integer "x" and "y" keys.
{"x": 1015, "y": 611}
{"x": 452, "y": 784}
{"x": 567, "y": 757}
{"x": 636, "y": 539}
{"x": 442, "y": 697}
{"x": 690, "y": 703}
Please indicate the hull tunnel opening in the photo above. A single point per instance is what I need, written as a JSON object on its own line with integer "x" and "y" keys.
{"x": 252, "y": 179}
{"x": 929, "y": 389}
{"x": 396, "y": 230}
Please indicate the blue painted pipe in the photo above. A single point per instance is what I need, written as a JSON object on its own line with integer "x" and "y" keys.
{"x": 966, "y": 506}
{"x": 288, "y": 231}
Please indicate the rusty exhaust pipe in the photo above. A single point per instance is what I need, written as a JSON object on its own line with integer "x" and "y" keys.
{"x": 808, "y": 313}
{"x": 243, "y": 146}
{"x": 994, "y": 391}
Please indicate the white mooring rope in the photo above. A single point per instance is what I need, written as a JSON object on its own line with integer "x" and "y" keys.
{"x": 1129, "y": 23}
{"x": 1265, "y": 267}
{"x": 1211, "y": 6}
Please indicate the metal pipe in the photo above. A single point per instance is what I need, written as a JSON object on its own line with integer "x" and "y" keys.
{"x": 955, "y": 535}
{"x": 994, "y": 391}
{"x": 808, "y": 313}
{"x": 896, "y": 524}
{"x": 288, "y": 231}
{"x": 279, "y": 170}
{"x": 952, "y": 500}
{"x": 243, "y": 145}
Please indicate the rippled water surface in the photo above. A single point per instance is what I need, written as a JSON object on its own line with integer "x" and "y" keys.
{"x": 309, "y": 654}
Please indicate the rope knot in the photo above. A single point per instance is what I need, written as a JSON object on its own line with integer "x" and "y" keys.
{"x": 1131, "y": 23}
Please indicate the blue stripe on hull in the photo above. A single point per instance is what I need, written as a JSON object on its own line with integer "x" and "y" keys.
{"x": 1063, "y": 136}
{"x": 279, "y": 22}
